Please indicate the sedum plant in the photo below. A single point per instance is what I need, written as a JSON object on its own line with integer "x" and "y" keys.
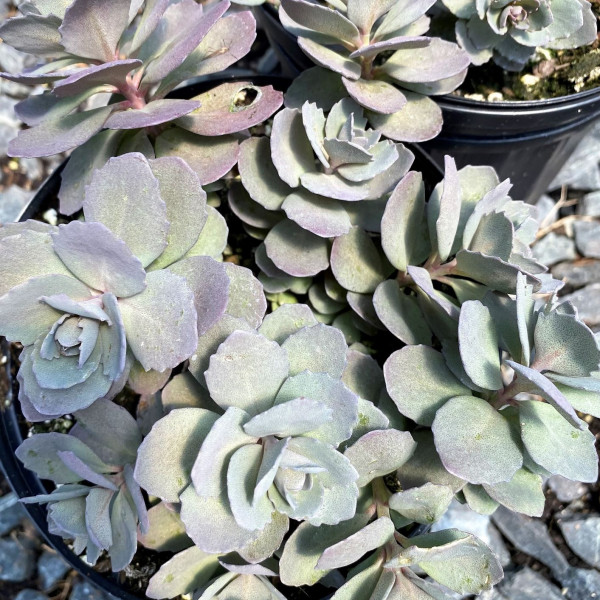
{"x": 509, "y": 31}
{"x": 119, "y": 70}
{"x": 378, "y": 54}
{"x": 97, "y": 502}
{"x": 128, "y": 285}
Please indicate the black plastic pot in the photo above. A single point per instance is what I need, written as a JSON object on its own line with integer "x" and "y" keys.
{"x": 528, "y": 142}
{"x": 13, "y": 428}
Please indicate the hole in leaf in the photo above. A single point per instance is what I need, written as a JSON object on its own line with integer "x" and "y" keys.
{"x": 244, "y": 98}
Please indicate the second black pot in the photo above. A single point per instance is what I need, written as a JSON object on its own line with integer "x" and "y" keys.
{"x": 528, "y": 142}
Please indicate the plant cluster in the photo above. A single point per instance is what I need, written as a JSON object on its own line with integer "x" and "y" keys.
{"x": 414, "y": 353}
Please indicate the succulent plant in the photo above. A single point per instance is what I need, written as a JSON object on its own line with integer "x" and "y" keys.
{"x": 85, "y": 299}
{"x": 378, "y": 54}
{"x": 520, "y": 372}
{"x": 138, "y": 60}
{"x": 509, "y": 31}
{"x": 97, "y": 502}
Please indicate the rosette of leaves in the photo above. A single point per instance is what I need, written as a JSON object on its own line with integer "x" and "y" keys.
{"x": 264, "y": 443}
{"x": 97, "y": 48}
{"x": 97, "y": 502}
{"x": 129, "y": 284}
{"x": 509, "y": 31}
{"x": 501, "y": 398}
{"x": 378, "y": 54}
{"x": 316, "y": 179}
{"x": 468, "y": 238}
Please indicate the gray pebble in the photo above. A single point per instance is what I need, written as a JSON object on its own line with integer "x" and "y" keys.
{"x": 82, "y": 590}
{"x": 17, "y": 561}
{"x": 553, "y": 248}
{"x": 526, "y": 584}
{"x": 577, "y": 274}
{"x": 11, "y": 513}
{"x": 581, "y": 584}
{"x": 51, "y": 569}
{"x": 30, "y": 595}
{"x": 587, "y": 302}
{"x": 587, "y": 238}
{"x": 590, "y": 207}
{"x": 583, "y": 537}
{"x": 543, "y": 207}
{"x": 565, "y": 489}
{"x": 32, "y": 167}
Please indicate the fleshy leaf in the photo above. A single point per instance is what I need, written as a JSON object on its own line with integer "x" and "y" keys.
{"x": 375, "y": 95}
{"x": 426, "y": 504}
{"x": 523, "y": 493}
{"x": 161, "y": 322}
{"x": 101, "y": 260}
{"x": 166, "y": 532}
{"x": 420, "y": 383}
{"x": 286, "y": 320}
{"x": 379, "y": 452}
{"x": 111, "y": 73}
{"x": 555, "y": 445}
{"x": 246, "y": 296}
{"x": 475, "y": 442}
{"x": 154, "y": 113}
{"x": 446, "y": 224}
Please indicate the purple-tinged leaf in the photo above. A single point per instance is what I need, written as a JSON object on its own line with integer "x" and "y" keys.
{"x": 418, "y": 121}
{"x": 124, "y": 196}
{"x": 114, "y": 344}
{"x": 296, "y": 251}
{"x": 318, "y": 85}
{"x": 34, "y": 34}
{"x": 10, "y": 229}
{"x": 436, "y": 61}
{"x": 110, "y": 431}
{"x": 320, "y": 215}
{"x": 97, "y": 517}
{"x": 313, "y": 119}
{"x": 138, "y": 499}
{"x": 111, "y": 73}
{"x": 252, "y": 569}
{"x": 209, "y": 281}
{"x": 210, "y": 157}
{"x": 448, "y": 218}
{"x": 403, "y": 226}
{"x": 65, "y": 492}
{"x": 533, "y": 382}
{"x": 153, "y": 12}
{"x": 59, "y": 135}
{"x": 124, "y": 531}
{"x": 247, "y": 210}
{"x": 376, "y": 95}
{"x": 371, "y": 537}
{"x": 330, "y": 59}
{"x": 364, "y": 13}
{"x": 26, "y": 255}
{"x": 183, "y": 391}
{"x": 335, "y": 186}
{"x": 33, "y": 78}
{"x": 231, "y": 107}
{"x": 40, "y": 453}
{"x": 81, "y": 166}
{"x": 186, "y": 571}
{"x": 181, "y": 191}
{"x": 93, "y": 28}
{"x": 23, "y": 318}
{"x": 402, "y": 17}
{"x": 182, "y": 431}
{"x": 286, "y": 320}
{"x": 190, "y": 22}
{"x": 47, "y": 7}
{"x": 161, "y": 321}
{"x": 230, "y": 39}
{"x": 395, "y": 43}
{"x": 422, "y": 280}
{"x": 259, "y": 176}
{"x": 475, "y": 441}
{"x": 356, "y": 262}
{"x": 86, "y": 473}
{"x": 247, "y": 372}
{"x": 324, "y": 20}
{"x": 291, "y": 151}
{"x": 362, "y": 305}
{"x": 380, "y": 452}
{"x": 246, "y": 296}
{"x": 47, "y": 107}
{"x": 97, "y": 257}
{"x": 154, "y": 113}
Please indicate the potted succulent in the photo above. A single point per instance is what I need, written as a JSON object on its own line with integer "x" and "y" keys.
{"x": 260, "y": 352}
{"x": 546, "y": 121}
